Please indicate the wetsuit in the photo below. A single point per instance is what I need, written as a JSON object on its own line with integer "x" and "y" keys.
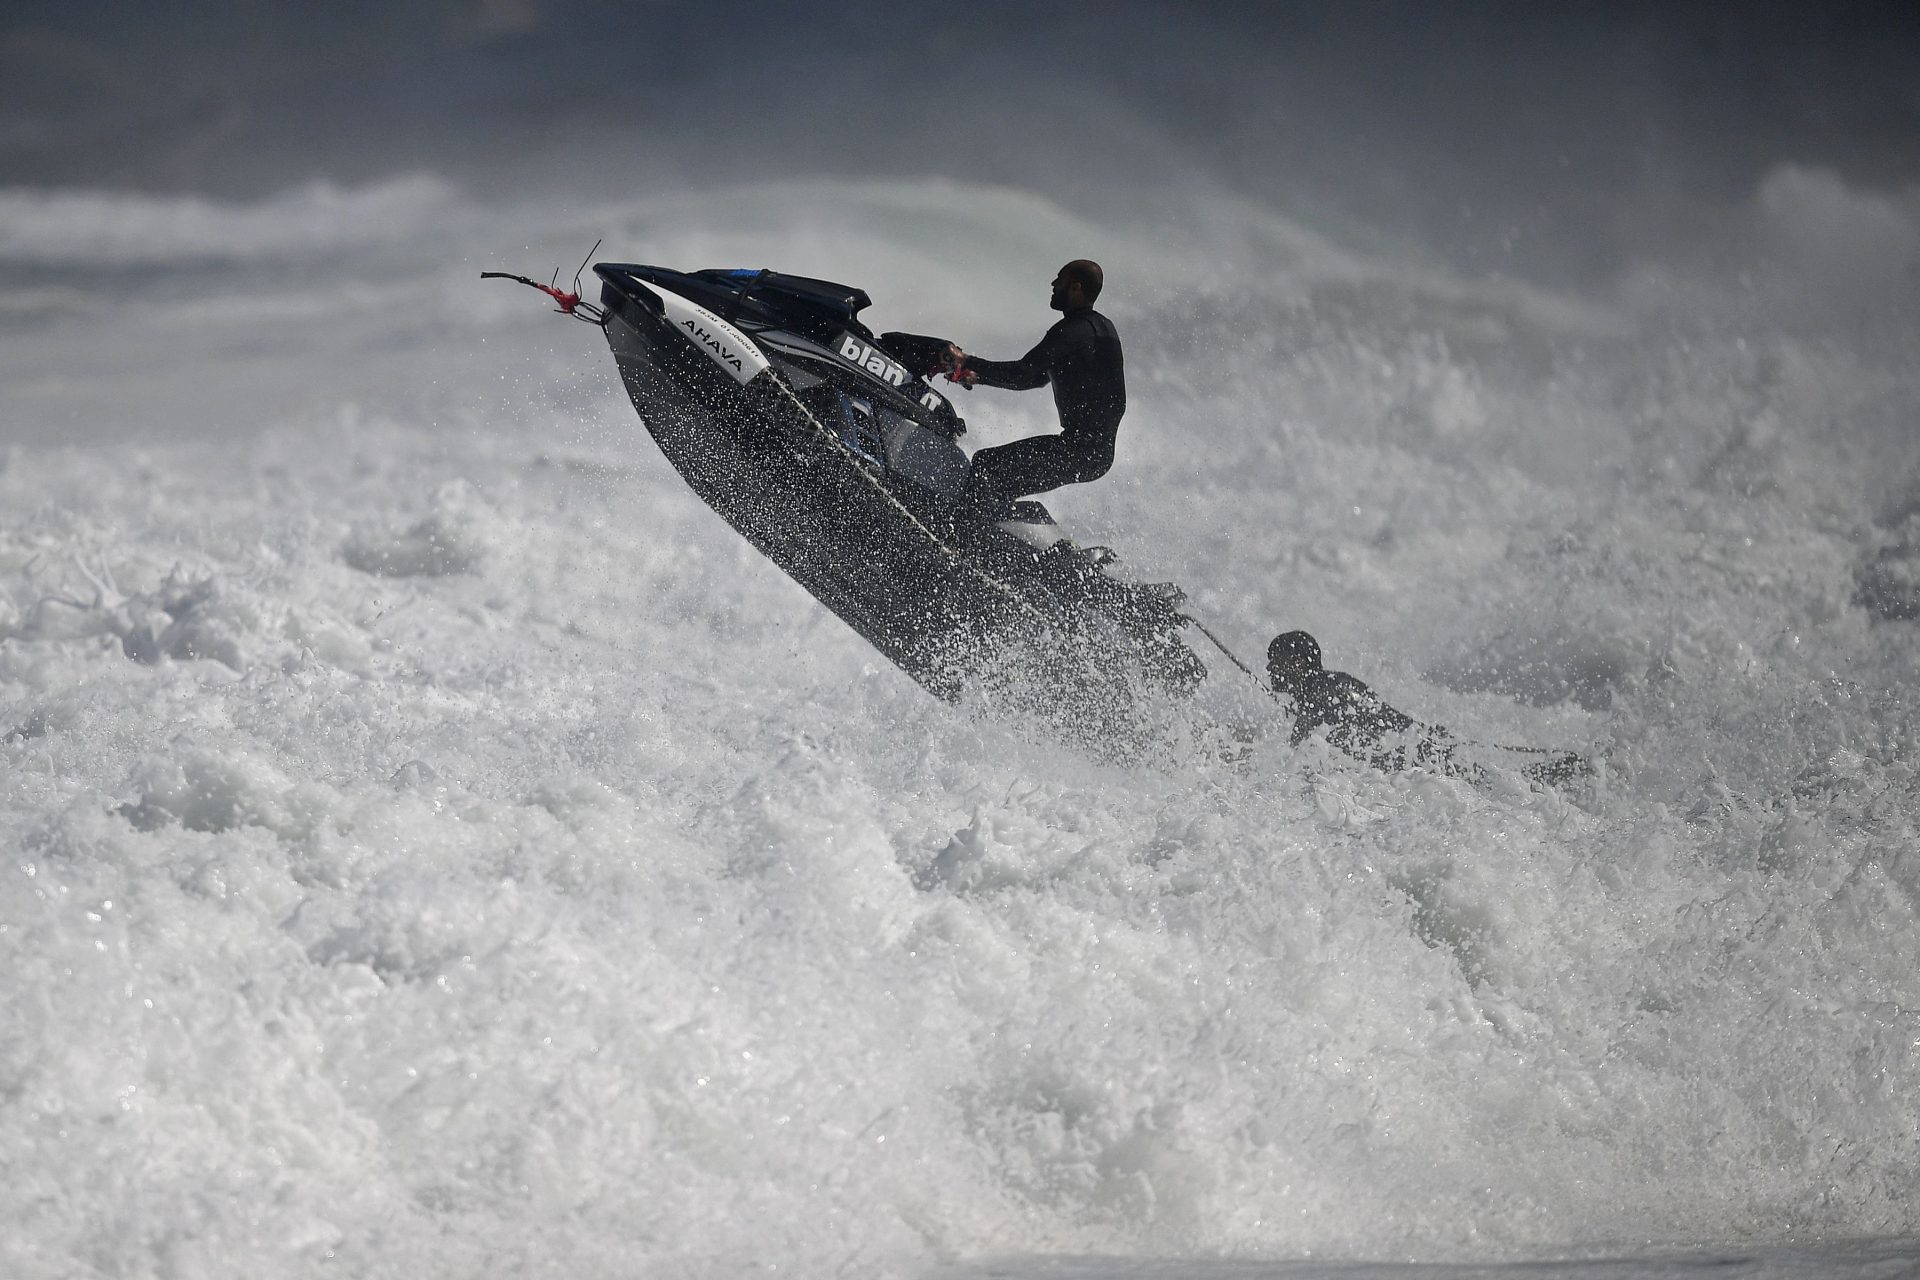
{"x": 1360, "y": 723}
{"x": 1080, "y": 356}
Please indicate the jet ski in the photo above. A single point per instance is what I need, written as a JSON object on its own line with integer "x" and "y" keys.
{"x": 827, "y": 447}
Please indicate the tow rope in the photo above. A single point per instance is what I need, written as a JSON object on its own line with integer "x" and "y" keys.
{"x": 1231, "y": 657}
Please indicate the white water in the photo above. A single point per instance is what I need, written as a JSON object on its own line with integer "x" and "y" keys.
{"x": 436, "y": 846}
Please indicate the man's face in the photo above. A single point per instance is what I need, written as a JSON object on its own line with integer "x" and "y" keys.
{"x": 1065, "y": 294}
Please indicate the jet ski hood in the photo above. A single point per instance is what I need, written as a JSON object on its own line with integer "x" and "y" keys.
{"x": 808, "y": 328}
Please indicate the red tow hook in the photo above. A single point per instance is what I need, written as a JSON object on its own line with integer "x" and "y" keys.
{"x": 566, "y": 303}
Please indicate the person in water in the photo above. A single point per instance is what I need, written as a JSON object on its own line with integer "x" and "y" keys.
{"x": 1080, "y": 357}
{"x": 1359, "y": 722}
{"x": 1356, "y": 719}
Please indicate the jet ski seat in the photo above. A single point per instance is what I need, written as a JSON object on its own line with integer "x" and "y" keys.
{"x": 819, "y": 309}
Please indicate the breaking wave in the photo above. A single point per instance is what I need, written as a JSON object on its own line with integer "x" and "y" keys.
{"x": 435, "y": 844}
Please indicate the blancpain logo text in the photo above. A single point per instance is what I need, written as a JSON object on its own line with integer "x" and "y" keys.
{"x": 864, "y": 356}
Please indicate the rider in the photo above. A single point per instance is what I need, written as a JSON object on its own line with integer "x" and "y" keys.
{"x": 1080, "y": 356}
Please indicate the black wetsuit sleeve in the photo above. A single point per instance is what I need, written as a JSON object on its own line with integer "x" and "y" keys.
{"x": 1031, "y": 370}
{"x": 1081, "y": 357}
{"x": 1346, "y": 706}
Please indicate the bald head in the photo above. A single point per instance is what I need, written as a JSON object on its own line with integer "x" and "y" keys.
{"x": 1086, "y": 273}
{"x": 1077, "y": 285}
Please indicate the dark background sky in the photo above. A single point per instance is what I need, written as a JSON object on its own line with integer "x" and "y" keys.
{"x": 1537, "y": 138}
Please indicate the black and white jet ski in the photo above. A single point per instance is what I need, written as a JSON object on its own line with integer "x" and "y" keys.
{"x": 825, "y": 445}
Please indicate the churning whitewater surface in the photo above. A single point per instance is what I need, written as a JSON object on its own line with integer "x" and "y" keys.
{"x": 436, "y": 845}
